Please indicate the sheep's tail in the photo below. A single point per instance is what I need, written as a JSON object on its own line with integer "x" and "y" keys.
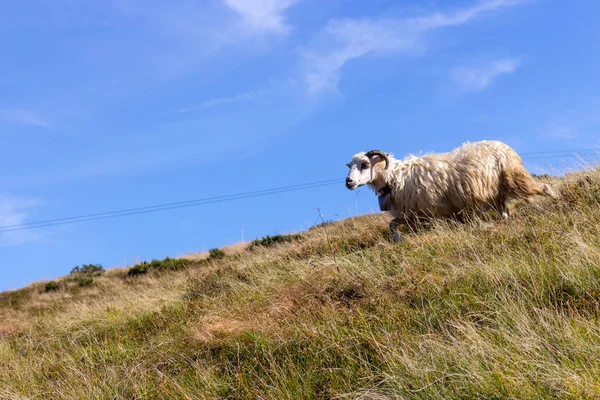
{"x": 521, "y": 184}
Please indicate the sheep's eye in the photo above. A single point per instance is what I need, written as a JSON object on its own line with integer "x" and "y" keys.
{"x": 365, "y": 165}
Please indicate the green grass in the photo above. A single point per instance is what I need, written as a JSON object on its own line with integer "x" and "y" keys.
{"x": 269, "y": 241}
{"x": 489, "y": 309}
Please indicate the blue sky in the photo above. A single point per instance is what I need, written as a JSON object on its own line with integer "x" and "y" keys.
{"x": 118, "y": 104}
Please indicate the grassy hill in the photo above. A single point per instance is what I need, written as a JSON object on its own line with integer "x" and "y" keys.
{"x": 487, "y": 309}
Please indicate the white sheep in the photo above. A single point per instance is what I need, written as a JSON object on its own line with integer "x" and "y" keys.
{"x": 475, "y": 177}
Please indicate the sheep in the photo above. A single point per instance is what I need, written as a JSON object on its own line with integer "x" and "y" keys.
{"x": 474, "y": 177}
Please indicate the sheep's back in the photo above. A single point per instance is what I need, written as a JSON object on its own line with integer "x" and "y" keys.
{"x": 443, "y": 184}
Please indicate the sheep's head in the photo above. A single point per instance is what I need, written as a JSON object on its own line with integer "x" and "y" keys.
{"x": 363, "y": 168}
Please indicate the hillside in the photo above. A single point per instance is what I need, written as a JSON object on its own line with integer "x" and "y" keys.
{"x": 487, "y": 309}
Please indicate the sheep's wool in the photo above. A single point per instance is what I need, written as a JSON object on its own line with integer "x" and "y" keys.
{"x": 476, "y": 176}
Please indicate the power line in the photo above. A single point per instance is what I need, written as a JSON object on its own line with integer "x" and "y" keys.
{"x": 182, "y": 203}
{"x": 238, "y": 196}
{"x": 167, "y": 206}
{"x": 560, "y": 154}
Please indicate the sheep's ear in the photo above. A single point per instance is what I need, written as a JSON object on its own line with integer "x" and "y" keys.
{"x": 349, "y": 165}
{"x": 376, "y": 160}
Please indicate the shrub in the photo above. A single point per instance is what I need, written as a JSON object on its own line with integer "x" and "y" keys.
{"x": 216, "y": 254}
{"x": 88, "y": 269}
{"x": 83, "y": 275}
{"x": 138, "y": 269}
{"x": 51, "y": 286}
{"x": 84, "y": 281}
{"x": 268, "y": 241}
{"x": 168, "y": 264}
{"x": 171, "y": 264}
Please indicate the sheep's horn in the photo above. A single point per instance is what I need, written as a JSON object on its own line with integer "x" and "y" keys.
{"x": 380, "y": 154}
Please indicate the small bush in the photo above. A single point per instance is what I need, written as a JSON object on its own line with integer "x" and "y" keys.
{"x": 51, "y": 286}
{"x": 168, "y": 264}
{"x": 216, "y": 254}
{"x": 88, "y": 269}
{"x": 268, "y": 241}
{"x": 138, "y": 269}
{"x": 171, "y": 264}
{"x": 84, "y": 281}
{"x": 83, "y": 276}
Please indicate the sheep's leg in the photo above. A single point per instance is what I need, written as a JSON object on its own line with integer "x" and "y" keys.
{"x": 460, "y": 217}
{"x": 499, "y": 205}
{"x": 503, "y": 210}
{"x": 394, "y": 228}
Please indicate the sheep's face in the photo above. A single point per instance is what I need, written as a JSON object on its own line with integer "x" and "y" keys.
{"x": 361, "y": 172}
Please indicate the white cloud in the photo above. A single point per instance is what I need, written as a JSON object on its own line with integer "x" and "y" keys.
{"x": 263, "y": 15}
{"x": 347, "y": 39}
{"x": 441, "y": 20}
{"x": 480, "y": 77}
{"x": 221, "y": 101}
{"x": 22, "y": 117}
{"x": 14, "y": 211}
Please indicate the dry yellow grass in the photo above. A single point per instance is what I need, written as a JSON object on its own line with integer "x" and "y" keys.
{"x": 486, "y": 309}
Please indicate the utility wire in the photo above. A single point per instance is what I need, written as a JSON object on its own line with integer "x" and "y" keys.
{"x": 239, "y": 196}
{"x": 182, "y": 203}
{"x": 167, "y": 206}
{"x": 561, "y": 154}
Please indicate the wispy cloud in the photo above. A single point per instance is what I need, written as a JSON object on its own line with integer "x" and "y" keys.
{"x": 344, "y": 40}
{"x": 14, "y": 211}
{"x": 265, "y": 16}
{"x": 22, "y": 117}
{"x": 221, "y": 101}
{"x": 480, "y": 77}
